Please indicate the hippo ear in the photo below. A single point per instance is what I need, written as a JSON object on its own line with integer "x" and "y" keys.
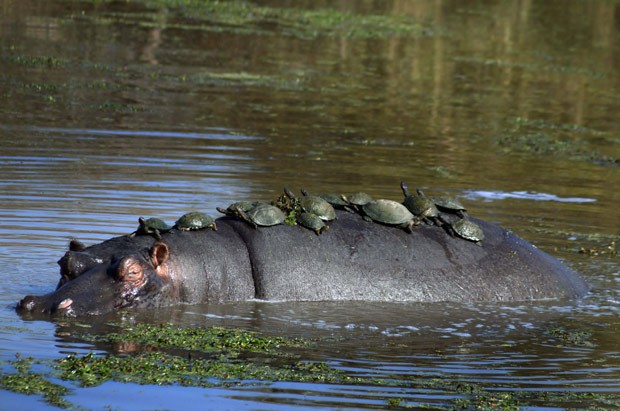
{"x": 76, "y": 245}
{"x": 159, "y": 253}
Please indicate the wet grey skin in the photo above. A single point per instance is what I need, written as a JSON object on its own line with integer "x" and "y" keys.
{"x": 195, "y": 220}
{"x": 391, "y": 213}
{"x": 151, "y": 226}
{"x": 313, "y": 222}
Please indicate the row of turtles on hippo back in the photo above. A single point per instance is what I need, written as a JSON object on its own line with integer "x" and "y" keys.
{"x": 194, "y": 220}
{"x": 445, "y": 212}
{"x": 314, "y": 212}
{"x": 308, "y": 211}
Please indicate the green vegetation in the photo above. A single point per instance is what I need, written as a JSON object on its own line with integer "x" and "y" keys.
{"x": 24, "y": 381}
{"x": 208, "y": 340}
{"x": 545, "y": 139}
{"x": 159, "y": 368}
{"x": 220, "y": 357}
{"x": 569, "y": 336}
{"x": 478, "y": 399}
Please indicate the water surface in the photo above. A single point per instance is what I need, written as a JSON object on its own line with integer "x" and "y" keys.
{"x": 110, "y": 111}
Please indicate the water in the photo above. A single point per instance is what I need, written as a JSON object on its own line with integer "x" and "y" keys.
{"x": 110, "y": 111}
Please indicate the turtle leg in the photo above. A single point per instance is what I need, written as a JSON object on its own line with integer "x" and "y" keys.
{"x": 156, "y": 234}
{"x": 321, "y": 230}
{"x": 408, "y": 226}
{"x": 213, "y": 226}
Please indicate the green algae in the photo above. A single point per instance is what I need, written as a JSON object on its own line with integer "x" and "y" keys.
{"x": 545, "y": 138}
{"x": 202, "y": 339}
{"x": 165, "y": 369}
{"x": 566, "y": 336}
{"x": 195, "y": 356}
{"x": 25, "y": 381}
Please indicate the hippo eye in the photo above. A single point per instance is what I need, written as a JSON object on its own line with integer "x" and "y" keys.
{"x": 130, "y": 270}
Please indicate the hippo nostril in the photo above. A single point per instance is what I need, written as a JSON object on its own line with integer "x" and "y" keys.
{"x": 27, "y": 303}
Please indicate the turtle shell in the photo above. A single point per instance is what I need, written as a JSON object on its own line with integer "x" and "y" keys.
{"x": 195, "y": 221}
{"x": 420, "y": 205}
{"x": 387, "y": 212}
{"x": 149, "y": 225}
{"x": 318, "y": 206}
{"x": 449, "y": 204}
{"x": 468, "y": 230}
{"x": 239, "y": 205}
{"x": 312, "y": 222}
{"x": 333, "y": 199}
{"x": 266, "y": 215}
{"x": 358, "y": 199}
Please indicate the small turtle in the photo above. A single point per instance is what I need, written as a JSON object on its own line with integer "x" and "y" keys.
{"x": 450, "y": 205}
{"x": 195, "y": 221}
{"x": 312, "y": 222}
{"x": 334, "y": 199}
{"x": 317, "y": 205}
{"x": 467, "y": 230}
{"x": 262, "y": 215}
{"x": 420, "y": 205}
{"x": 356, "y": 200}
{"x": 243, "y": 205}
{"x": 391, "y": 213}
{"x": 152, "y": 226}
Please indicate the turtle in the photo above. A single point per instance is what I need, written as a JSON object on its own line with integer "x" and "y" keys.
{"x": 195, "y": 220}
{"x": 231, "y": 210}
{"x": 262, "y": 215}
{"x": 334, "y": 199}
{"x": 153, "y": 226}
{"x": 391, "y": 213}
{"x": 467, "y": 230}
{"x": 316, "y": 205}
{"x": 450, "y": 205}
{"x": 312, "y": 222}
{"x": 356, "y": 200}
{"x": 420, "y": 205}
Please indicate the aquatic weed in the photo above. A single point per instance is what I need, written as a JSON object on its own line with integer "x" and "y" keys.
{"x": 24, "y": 381}
{"x": 165, "y": 369}
{"x": 207, "y": 339}
{"x": 545, "y": 139}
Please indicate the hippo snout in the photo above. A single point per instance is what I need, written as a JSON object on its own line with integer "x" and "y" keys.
{"x": 32, "y": 304}
{"x": 27, "y": 304}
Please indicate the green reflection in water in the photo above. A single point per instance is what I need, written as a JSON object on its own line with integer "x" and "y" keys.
{"x": 242, "y": 17}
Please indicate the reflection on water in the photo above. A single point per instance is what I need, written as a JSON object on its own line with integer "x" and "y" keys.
{"x": 524, "y": 195}
{"x": 113, "y": 111}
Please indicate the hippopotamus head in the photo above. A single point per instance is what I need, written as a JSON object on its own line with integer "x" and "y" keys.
{"x": 93, "y": 285}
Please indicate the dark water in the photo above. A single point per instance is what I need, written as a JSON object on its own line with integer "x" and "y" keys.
{"x": 113, "y": 110}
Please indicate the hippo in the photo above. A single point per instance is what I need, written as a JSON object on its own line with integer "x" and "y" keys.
{"x": 354, "y": 260}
